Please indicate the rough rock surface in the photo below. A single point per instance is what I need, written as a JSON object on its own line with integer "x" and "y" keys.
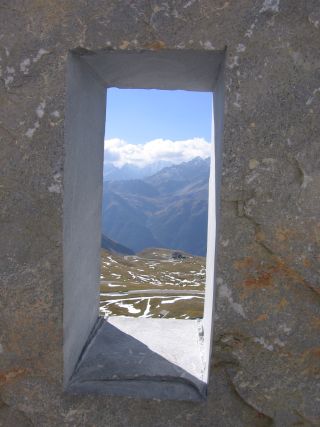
{"x": 266, "y": 364}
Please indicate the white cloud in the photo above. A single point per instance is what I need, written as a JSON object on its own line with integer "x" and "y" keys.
{"x": 119, "y": 152}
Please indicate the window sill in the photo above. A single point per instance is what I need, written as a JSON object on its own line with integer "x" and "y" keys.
{"x": 143, "y": 358}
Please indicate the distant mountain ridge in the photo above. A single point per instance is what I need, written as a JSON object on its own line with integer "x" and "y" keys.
{"x": 127, "y": 172}
{"x": 168, "y": 209}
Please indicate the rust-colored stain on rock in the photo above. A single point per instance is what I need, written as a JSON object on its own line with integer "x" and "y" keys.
{"x": 265, "y": 278}
{"x": 315, "y": 352}
{"x": 156, "y": 45}
{"x": 262, "y": 317}
{"x": 9, "y": 376}
{"x": 260, "y": 236}
{"x": 262, "y": 280}
{"x": 283, "y": 234}
{"x": 311, "y": 360}
{"x": 315, "y": 321}
{"x": 282, "y": 304}
{"x": 306, "y": 262}
{"x": 311, "y": 357}
{"x": 243, "y": 263}
{"x": 124, "y": 44}
{"x": 52, "y": 12}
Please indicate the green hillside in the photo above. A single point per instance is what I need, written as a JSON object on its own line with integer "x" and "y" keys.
{"x": 153, "y": 283}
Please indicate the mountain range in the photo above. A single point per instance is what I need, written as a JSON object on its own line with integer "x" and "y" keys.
{"x": 128, "y": 171}
{"x": 167, "y": 209}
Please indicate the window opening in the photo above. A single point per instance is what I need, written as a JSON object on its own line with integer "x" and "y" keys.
{"x": 146, "y": 357}
{"x": 155, "y": 203}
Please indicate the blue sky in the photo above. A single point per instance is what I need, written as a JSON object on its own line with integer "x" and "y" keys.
{"x": 160, "y": 124}
{"x": 138, "y": 115}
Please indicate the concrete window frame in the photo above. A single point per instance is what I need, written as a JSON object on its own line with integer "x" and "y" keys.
{"x": 137, "y": 357}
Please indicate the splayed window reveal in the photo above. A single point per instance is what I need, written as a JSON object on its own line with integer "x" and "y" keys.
{"x": 162, "y": 358}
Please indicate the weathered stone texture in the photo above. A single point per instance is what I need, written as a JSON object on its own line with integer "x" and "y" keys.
{"x": 266, "y": 369}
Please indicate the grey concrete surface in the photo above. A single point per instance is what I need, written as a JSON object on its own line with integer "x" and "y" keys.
{"x": 84, "y": 132}
{"x": 171, "y": 70}
{"x": 213, "y": 215}
{"x": 143, "y": 358}
{"x": 88, "y": 75}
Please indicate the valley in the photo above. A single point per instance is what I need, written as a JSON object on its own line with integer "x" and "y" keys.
{"x": 142, "y": 216}
{"x": 168, "y": 209}
{"x": 152, "y": 283}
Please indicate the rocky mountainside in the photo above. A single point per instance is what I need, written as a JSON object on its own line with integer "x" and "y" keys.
{"x": 167, "y": 209}
{"x": 114, "y": 247}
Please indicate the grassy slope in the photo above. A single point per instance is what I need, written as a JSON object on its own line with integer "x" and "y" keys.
{"x": 152, "y": 284}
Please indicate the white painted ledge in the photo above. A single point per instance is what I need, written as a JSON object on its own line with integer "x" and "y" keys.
{"x": 143, "y": 358}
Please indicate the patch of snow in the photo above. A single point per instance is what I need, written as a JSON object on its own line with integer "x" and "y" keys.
{"x": 131, "y": 274}
{"x": 147, "y": 310}
{"x": 112, "y": 260}
{"x": 130, "y": 308}
{"x": 171, "y": 301}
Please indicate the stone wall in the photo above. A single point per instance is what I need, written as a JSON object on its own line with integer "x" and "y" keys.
{"x": 266, "y": 364}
